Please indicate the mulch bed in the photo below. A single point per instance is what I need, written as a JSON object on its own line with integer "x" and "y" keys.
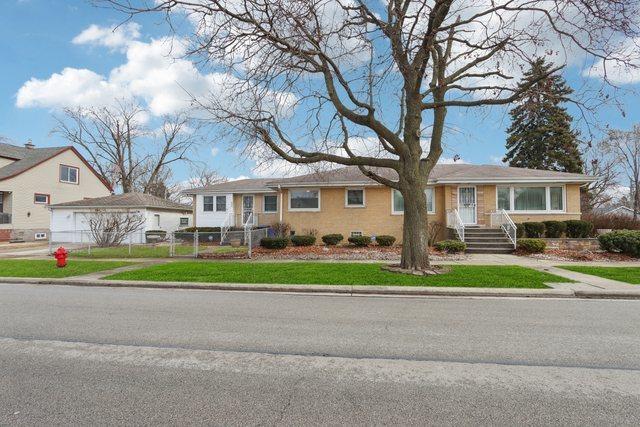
{"x": 568, "y": 255}
{"x": 347, "y": 253}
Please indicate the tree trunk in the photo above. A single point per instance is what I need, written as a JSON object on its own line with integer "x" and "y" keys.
{"x": 415, "y": 235}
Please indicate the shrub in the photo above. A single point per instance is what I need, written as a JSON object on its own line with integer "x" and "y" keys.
{"x": 332, "y": 239}
{"x": 360, "y": 241}
{"x": 624, "y": 241}
{"x": 554, "y": 229}
{"x": 281, "y": 229}
{"x": 385, "y": 240}
{"x": 532, "y": 246}
{"x": 202, "y": 229}
{"x": 533, "y": 229}
{"x": 434, "y": 228}
{"x": 451, "y": 246}
{"x": 578, "y": 229}
{"x": 520, "y": 232}
{"x": 274, "y": 242}
{"x": 303, "y": 240}
{"x": 613, "y": 222}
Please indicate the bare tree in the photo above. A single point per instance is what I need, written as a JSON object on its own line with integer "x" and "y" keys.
{"x": 201, "y": 175}
{"x": 625, "y": 146}
{"x": 121, "y": 146}
{"x": 308, "y": 77}
{"x": 599, "y": 162}
{"x": 110, "y": 228}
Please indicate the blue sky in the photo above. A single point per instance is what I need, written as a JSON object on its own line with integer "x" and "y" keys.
{"x": 36, "y": 42}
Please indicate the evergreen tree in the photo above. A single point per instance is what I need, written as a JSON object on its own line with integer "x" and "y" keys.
{"x": 540, "y": 135}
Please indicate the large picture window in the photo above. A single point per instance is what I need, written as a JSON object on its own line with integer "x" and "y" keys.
{"x": 304, "y": 200}
{"x": 531, "y": 198}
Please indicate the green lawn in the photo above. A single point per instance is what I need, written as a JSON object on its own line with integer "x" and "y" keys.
{"x": 338, "y": 274}
{"x": 47, "y": 268}
{"x": 160, "y": 251}
{"x": 622, "y": 274}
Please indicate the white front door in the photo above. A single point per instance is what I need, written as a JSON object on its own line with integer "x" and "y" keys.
{"x": 467, "y": 204}
{"x": 247, "y": 208}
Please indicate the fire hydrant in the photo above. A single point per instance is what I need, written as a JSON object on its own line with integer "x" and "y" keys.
{"x": 61, "y": 257}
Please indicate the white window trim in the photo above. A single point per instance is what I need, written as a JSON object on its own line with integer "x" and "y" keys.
{"x": 40, "y": 235}
{"x": 351, "y": 234}
{"x": 547, "y": 199}
{"x": 395, "y": 212}
{"x": 77, "y": 181}
{"x": 291, "y": 190}
{"x": 346, "y": 197}
{"x": 264, "y": 204}
{"x": 180, "y": 221}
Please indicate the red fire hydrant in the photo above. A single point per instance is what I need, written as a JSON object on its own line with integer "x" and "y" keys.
{"x": 61, "y": 257}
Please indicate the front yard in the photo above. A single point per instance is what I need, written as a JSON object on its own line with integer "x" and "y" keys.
{"x": 622, "y": 274}
{"x": 155, "y": 251}
{"x": 476, "y": 276}
{"x": 48, "y": 269}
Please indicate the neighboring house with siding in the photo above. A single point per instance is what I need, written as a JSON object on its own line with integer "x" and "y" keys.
{"x": 345, "y": 201}
{"x": 32, "y": 178}
{"x": 70, "y": 220}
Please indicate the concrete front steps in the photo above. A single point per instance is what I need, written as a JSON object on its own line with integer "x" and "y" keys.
{"x": 484, "y": 240}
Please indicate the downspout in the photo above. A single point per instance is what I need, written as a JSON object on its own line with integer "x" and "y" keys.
{"x": 280, "y": 193}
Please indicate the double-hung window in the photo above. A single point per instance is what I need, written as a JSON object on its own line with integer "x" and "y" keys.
{"x": 69, "y": 174}
{"x": 304, "y": 200}
{"x": 207, "y": 203}
{"x": 397, "y": 203}
{"x": 221, "y": 203}
{"x": 270, "y": 203}
{"x": 354, "y": 197}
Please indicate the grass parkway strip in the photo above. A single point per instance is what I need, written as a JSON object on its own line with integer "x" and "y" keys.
{"x": 48, "y": 269}
{"x": 621, "y": 274}
{"x": 311, "y": 273}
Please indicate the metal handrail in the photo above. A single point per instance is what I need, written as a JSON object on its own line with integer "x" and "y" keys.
{"x": 502, "y": 219}
{"x": 226, "y": 225}
{"x": 455, "y": 221}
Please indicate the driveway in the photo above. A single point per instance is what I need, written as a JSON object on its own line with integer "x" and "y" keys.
{"x": 123, "y": 356}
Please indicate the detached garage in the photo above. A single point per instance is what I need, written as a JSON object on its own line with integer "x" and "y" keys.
{"x": 72, "y": 221}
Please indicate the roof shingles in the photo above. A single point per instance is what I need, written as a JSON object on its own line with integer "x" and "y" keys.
{"x": 127, "y": 200}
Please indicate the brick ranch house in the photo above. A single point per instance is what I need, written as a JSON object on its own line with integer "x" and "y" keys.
{"x": 467, "y": 199}
{"x": 32, "y": 178}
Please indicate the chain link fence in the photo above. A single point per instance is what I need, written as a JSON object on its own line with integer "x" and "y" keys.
{"x": 155, "y": 244}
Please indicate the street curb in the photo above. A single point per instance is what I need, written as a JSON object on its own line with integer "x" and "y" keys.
{"x": 315, "y": 289}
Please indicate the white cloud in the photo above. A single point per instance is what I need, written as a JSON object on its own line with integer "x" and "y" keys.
{"x": 72, "y": 87}
{"x": 238, "y": 178}
{"x": 451, "y": 161}
{"x": 154, "y": 72}
{"x": 214, "y": 151}
{"x": 115, "y": 37}
{"x": 619, "y": 72}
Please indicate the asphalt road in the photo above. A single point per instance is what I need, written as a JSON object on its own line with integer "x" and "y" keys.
{"x": 72, "y": 355}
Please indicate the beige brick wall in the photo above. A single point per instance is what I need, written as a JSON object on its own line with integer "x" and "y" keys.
{"x": 44, "y": 178}
{"x": 375, "y": 218}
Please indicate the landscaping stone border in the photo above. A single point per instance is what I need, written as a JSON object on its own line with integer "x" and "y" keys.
{"x": 573, "y": 244}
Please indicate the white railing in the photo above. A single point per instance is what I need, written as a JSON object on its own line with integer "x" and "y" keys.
{"x": 454, "y": 221}
{"x": 226, "y": 225}
{"x": 502, "y": 219}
